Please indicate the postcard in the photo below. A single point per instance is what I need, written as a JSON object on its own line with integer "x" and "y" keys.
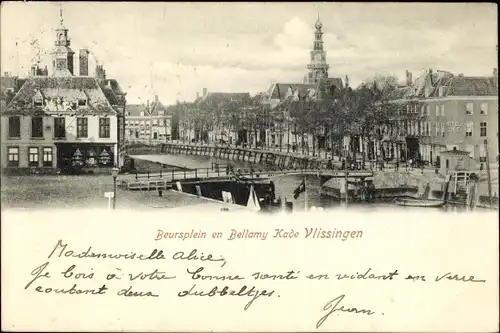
{"x": 249, "y": 167}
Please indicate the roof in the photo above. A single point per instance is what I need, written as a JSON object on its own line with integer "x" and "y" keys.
{"x": 113, "y": 92}
{"x": 134, "y": 110}
{"x": 282, "y": 90}
{"x": 218, "y": 98}
{"x": 444, "y": 84}
{"x": 466, "y": 86}
{"x": 12, "y": 83}
{"x": 60, "y": 95}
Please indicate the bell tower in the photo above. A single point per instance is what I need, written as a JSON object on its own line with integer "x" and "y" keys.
{"x": 62, "y": 55}
{"x": 318, "y": 68}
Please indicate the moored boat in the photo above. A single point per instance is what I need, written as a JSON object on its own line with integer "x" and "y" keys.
{"x": 414, "y": 202}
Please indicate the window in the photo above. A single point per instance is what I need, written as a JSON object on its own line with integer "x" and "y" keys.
{"x": 428, "y": 110}
{"x": 441, "y": 91}
{"x": 82, "y": 102}
{"x": 422, "y": 111}
{"x": 438, "y": 127}
{"x": 442, "y": 129}
{"x": 437, "y": 111}
{"x": 59, "y": 127}
{"x": 126, "y": 122}
{"x": 482, "y": 154}
{"x": 37, "y": 101}
{"x": 442, "y": 110}
{"x": 468, "y": 128}
{"x": 142, "y": 113}
{"x": 484, "y": 108}
{"x": 33, "y": 156}
{"x": 13, "y": 156}
{"x": 482, "y": 128}
{"x": 142, "y": 122}
{"x": 37, "y": 127}
{"x": 82, "y": 129}
{"x": 47, "y": 156}
{"x": 104, "y": 125}
{"x": 14, "y": 127}
{"x": 469, "y": 109}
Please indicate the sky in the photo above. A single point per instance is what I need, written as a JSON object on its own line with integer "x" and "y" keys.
{"x": 174, "y": 50}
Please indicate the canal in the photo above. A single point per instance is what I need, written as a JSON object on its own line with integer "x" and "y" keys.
{"x": 285, "y": 186}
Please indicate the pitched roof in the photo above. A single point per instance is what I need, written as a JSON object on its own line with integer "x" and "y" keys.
{"x": 134, "y": 110}
{"x": 282, "y": 90}
{"x": 467, "y": 86}
{"x": 217, "y": 98}
{"x": 60, "y": 89}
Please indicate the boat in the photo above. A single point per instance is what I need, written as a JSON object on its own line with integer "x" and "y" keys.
{"x": 414, "y": 202}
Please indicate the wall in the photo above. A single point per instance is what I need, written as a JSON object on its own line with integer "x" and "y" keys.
{"x": 163, "y": 128}
{"x": 455, "y": 120}
{"x": 48, "y": 140}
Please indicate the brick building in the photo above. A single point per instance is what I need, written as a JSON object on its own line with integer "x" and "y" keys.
{"x": 63, "y": 121}
{"x": 441, "y": 111}
{"x": 148, "y": 123}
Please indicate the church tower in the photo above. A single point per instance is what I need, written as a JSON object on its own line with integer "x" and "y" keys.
{"x": 318, "y": 68}
{"x": 62, "y": 55}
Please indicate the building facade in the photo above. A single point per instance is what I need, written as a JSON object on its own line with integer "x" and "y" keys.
{"x": 63, "y": 122}
{"x": 148, "y": 123}
{"x": 449, "y": 112}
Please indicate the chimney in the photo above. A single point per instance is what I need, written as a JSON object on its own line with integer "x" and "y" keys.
{"x": 156, "y": 98}
{"x": 409, "y": 79}
{"x": 197, "y": 95}
{"x": 495, "y": 77}
{"x": 84, "y": 62}
{"x": 347, "y": 81}
{"x": 100, "y": 73}
{"x": 205, "y": 91}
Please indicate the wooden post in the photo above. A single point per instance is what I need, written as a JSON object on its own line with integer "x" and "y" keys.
{"x": 488, "y": 171}
{"x": 346, "y": 184}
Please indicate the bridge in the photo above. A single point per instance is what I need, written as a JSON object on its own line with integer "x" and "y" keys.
{"x": 167, "y": 180}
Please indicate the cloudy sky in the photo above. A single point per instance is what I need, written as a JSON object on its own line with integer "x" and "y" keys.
{"x": 177, "y": 49}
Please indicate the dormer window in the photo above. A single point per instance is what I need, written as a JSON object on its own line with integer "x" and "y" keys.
{"x": 37, "y": 101}
{"x": 142, "y": 113}
{"x": 38, "y": 98}
{"x": 82, "y": 99}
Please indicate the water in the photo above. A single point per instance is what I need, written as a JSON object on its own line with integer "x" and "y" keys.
{"x": 285, "y": 186}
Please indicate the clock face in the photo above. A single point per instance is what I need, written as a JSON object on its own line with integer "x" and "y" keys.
{"x": 318, "y": 57}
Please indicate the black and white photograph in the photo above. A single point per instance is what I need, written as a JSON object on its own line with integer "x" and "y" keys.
{"x": 299, "y": 112}
{"x": 368, "y": 130}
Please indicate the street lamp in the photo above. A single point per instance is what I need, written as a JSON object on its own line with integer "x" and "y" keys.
{"x": 114, "y": 173}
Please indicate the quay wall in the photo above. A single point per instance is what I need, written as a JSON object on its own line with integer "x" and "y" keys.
{"x": 271, "y": 159}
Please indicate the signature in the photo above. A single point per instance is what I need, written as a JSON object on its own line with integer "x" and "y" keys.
{"x": 334, "y": 306}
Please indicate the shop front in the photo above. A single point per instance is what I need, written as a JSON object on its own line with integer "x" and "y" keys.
{"x": 76, "y": 158}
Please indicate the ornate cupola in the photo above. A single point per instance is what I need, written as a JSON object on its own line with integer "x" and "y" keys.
{"x": 62, "y": 55}
{"x": 318, "y": 68}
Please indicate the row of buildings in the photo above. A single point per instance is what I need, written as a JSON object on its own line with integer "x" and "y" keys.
{"x": 71, "y": 120}
{"x": 436, "y": 112}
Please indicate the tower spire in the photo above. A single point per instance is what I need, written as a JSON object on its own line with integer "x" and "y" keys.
{"x": 61, "y": 20}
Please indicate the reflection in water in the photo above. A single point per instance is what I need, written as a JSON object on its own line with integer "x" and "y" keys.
{"x": 285, "y": 185}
